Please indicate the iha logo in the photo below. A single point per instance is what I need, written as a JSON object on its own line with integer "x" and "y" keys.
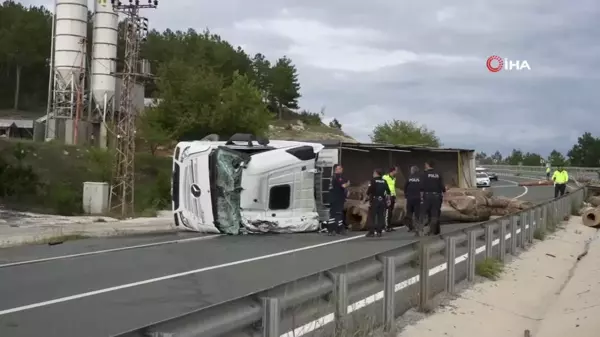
{"x": 496, "y": 63}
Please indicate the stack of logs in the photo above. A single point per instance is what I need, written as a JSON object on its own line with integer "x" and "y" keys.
{"x": 460, "y": 205}
{"x": 590, "y": 215}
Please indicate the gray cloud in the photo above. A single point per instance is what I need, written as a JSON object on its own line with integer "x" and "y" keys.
{"x": 368, "y": 62}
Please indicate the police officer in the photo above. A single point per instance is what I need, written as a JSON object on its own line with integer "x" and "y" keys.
{"x": 412, "y": 192}
{"x": 337, "y": 197}
{"x": 548, "y": 173}
{"x": 432, "y": 187}
{"x": 378, "y": 194}
{"x": 390, "y": 179}
{"x": 561, "y": 178}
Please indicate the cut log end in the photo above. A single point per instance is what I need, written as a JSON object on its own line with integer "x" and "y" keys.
{"x": 591, "y": 217}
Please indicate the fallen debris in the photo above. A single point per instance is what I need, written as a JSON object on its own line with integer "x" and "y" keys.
{"x": 459, "y": 205}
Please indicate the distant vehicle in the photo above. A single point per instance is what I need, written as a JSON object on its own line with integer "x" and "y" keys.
{"x": 483, "y": 180}
{"x": 493, "y": 176}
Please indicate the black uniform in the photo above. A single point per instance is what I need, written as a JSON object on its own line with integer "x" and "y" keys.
{"x": 378, "y": 194}
{"x": 337, "y": 197}
{"x": 432, "y": 186}
{"x": 412, "y": 192}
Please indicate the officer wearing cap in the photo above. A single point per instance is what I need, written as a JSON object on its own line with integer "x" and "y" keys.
{"x": 378, "y": 195}
{"x": 432, "y": 187}
{"x": 412, "y": 192}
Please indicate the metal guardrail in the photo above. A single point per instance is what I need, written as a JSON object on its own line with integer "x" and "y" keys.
{"x": 373, "y": 291}
{"x": 581, "y": 174}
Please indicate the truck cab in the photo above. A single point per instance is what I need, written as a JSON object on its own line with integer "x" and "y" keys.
{"x": 245, "y": 184}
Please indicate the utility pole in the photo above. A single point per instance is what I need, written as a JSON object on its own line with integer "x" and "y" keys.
{"x": 136, "y": 29}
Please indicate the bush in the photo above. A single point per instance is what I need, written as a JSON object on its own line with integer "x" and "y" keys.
{"x": 489, "y": 268}
{"x": 48, "y": 177}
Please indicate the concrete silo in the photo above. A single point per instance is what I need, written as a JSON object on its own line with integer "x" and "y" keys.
{"x": 104, "y": 67}
{"x": 68, "y": 70}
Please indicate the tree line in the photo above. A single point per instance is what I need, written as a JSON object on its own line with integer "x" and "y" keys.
{"x": 205, "y": 85}
{"x": 193, "y": 69}
{"x": 585, "y": 153}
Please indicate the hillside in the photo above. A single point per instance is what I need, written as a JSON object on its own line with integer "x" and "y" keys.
{"x": 298, "y": 130}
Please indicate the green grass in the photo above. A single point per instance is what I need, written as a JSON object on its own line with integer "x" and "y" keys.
{"x": 539, "y": 234}
{"x": 489, "y": 268}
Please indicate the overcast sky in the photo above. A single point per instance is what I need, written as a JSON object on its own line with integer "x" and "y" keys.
{"x": 366, "y": 62}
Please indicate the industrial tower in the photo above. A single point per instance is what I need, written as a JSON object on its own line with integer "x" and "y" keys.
{"x": 136, "y": 29}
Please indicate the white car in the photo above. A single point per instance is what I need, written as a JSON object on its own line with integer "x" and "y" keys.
{"x": 483, "y": 180}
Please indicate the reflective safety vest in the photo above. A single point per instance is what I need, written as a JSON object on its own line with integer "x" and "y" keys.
{"x": 391, "y": 181}
{"x": 560, "y": 177}
{"x": 547, "y": 170}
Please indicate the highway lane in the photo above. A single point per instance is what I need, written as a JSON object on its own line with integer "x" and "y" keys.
{"x": 218, "y": 270}
{"x": 507, "y": 186}
{"x": 74, "y": 247}
{"x": 140, "y": 305}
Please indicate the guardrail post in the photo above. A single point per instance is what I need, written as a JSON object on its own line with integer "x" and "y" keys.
{"x": 471, "y": 247}
{"x": 271, "y": 317}
{"x": 544, "y": 220}
{"x": 561, "y": 209}
{"x": 340, "y": 295}
{"x": 523, "y": 225}
{"x": 424, "y": 276}
{"x": 502, "y": 239}
{"x": 532, "y": 225}
{"x": 450, "y": 264}
{"x": 489, "y": 240}
{"x": 513, "y": 235}
{"x": 389, "y": 293}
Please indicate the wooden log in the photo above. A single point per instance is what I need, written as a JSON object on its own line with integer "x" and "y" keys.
{"x": 357, "y": 213}
{"x": 595, "y": 201}
{"x": 591, "y": 217}
{"x": 537, "y": 183}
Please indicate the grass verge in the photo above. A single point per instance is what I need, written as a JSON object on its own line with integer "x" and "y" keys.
{"x": 48, "y": 177}
{"x": 539, "y": 234}
{"x": 489, "y": 268}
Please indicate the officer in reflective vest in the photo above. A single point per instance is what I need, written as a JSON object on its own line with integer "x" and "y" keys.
{"x": 378, "y": 194}
{"x": 548, "y": 173}
{"x": 560, "y": 177}
{"x": 390, "y": 179}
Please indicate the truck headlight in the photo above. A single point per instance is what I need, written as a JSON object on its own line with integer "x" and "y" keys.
{"x": 184, "y": 154}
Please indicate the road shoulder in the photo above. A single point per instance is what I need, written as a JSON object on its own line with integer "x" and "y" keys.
{"x": 577, "y": 309}
{"x": 32, "y": 228}
{"x": 518, "y": 301}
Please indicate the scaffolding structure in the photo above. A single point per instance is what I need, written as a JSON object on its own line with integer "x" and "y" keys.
{"x": 123, "y": 182}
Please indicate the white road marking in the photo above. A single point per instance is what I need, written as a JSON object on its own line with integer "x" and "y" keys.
{"x": 517, "y": 184}
{"x": 96, "y": 252}
{"x": 326, "y": 319}
{"x": 171, "y": 276}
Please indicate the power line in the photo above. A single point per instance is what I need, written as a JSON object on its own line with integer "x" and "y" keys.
{"x": 136, "y": 30}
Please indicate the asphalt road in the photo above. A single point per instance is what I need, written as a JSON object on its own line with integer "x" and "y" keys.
{"x": 106, "y": 293}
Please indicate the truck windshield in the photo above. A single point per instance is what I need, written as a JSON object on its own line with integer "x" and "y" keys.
{"x": 226, "y": 186}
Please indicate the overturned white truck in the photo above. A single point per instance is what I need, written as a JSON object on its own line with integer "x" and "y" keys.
{"x": 247, "y": 184}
